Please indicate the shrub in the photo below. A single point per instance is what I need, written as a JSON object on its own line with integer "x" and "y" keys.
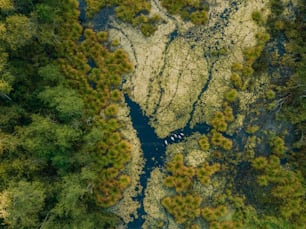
{"x": 278, "y": 146}
{"x": 257, "y": 17}
{"x": 259, "y": 163}
{"x": 217, "y": 139}
{"x": 199, "y": 17}
{"x": 102, "y": 36}
{"x": 205, "y": 171}
{"x": 204, "y": 143}
{"x": 111, "y": 110}
{"x": 218, "y": 121}
{"x": 184, "y": 208}
{"x": 228, "y": 113}
{"x": 231, "y": 95}
{"x": 236, "y": 80}
{"x": 270, "y": 94}
{"x": 236, "y": 67}
{"x": 252, "y": 129}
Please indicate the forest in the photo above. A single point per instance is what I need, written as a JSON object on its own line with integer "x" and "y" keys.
{"x": 62, "y": 152}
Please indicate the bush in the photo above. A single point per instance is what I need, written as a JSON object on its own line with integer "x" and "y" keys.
{"x": 219, "y": 121}
{"x": 184, "y": 208}
{"x": 236, "y": 80}
{"x": 270, "y": 94}
{"x": 257, "y": 17}
{"x": 199, "y": 17}
{"x": 278, "y": 146}
{"x": 252, "y": 129}
{"x": 204, "y": 143}
{"x": 231, "y": 95}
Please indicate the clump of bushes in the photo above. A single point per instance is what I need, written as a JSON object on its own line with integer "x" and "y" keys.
{"x": 181, "y": 175}
{"x": 219, "y": 121}
{"x": 228, "y": 112}
{"x": 252, "y": 129}
{"x": 204, "y": 143}
{"x": 285, "y": 186}
{"x": 217, "y": 139}
{"x": 199, "y": 17}
{"x": 184, "y": 208}
{"x": 204, "y": 172}
{"x": 278, "y": 146}
{"x": 236, "y": 80}
{"x": 109, "y": 151}
{"x": 231, "y": 95}
{"x": 195, "y": 11}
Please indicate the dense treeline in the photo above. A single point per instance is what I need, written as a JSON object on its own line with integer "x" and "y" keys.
{"x": 61, "y": 150}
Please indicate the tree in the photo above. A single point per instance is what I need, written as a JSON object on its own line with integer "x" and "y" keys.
{"x": 22, "y": 203}
{"x": 51, "y": 74}
{"x": 47, "y": 140}
{"x": 64, "y": 101}
{"x": 6, "y": 6}
{"x": 19, "y": 30}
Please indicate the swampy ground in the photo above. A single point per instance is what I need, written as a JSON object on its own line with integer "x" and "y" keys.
{"x": 152, "y": 114}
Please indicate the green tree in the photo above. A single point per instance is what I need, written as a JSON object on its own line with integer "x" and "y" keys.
{"x": 51, "y": 74}
{"x": 24, "y": 204}
{"x": 19, "y": 31}
{"x": 48, "y": 140}
{"x": 66, "y": 103}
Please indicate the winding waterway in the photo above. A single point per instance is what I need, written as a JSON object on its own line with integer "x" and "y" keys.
{"x": 154, "y": 149}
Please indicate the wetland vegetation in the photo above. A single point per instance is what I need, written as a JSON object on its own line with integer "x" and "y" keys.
{"x": 70, "y": 157}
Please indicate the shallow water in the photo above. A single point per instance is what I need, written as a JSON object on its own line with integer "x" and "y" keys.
{"x": 153, "y": 148}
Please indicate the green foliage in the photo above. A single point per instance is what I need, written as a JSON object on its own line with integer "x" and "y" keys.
{"x": 55, "y": 147}
{"x": 44, "y": 13}
{"x": 25, "y": 202}
{"x": 219, "y": 121}
{"x": 66, "y": 103}
{"x": 199, "y": 17}
{"x": 270, "y": 94}
{"x": 13, "y": 36}
{"x": 236, "y": 80}
{"x": 204, "y": 143}
{"x": 286, "y": 190}
{"x": 195, "y": 11}
{"x": 252, "y": 129}
{"x": 257, "y": 17}
{"x": 259, "y": 163}
{"x": 231, "y": 95}
{"x": 184, "y": 208}
{"x": 278, "y": 146}
{"x": 6, "y": 6}
{"x": 217, "y": 139}
{"x": 10, "y": 117}
{"x": 51, "y": 74}
{"x": 49, "y": 141}
{"x": 205, "y": 171}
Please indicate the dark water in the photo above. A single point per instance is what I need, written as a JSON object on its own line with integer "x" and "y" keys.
{"x": 153, "y": 149}
{"x": 101, "y": 19}
{"x": 82, "y": 7}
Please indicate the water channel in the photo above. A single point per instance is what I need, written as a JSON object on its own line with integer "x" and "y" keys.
{"x": 153, "y": 149}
